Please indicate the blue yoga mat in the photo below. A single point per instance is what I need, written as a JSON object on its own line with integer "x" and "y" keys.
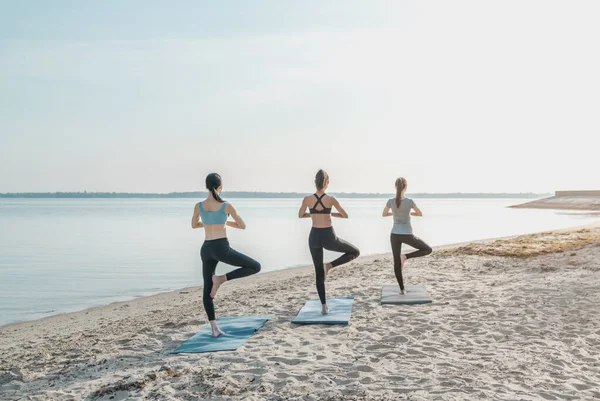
{"x": 237, "y": 331}
{"x": 340, "y": 310}
{"x": 415, "y": 294}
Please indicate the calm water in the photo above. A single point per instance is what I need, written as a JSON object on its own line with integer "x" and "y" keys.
{"x": 60, "y": 255}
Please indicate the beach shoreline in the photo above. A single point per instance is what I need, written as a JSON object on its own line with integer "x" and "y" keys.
{"x": 291, "y": 270}
{"x": 563, "y": 202}
{"x": 489, "y": 311}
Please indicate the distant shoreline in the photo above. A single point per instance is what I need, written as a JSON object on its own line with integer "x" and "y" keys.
{"x": 243, "y": 194}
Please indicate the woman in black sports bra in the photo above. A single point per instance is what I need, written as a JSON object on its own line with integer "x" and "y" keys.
{"x": 322, "y": 236}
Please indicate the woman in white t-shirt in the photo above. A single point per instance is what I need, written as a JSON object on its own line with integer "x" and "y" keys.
{"x": 402, "y": 233}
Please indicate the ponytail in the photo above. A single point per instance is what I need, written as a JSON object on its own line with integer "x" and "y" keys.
{"x": 320, "y": 179}
{"x": 213, "y": 181}
{"x": 400, "y": 185}
{"x": 215, "y": 195}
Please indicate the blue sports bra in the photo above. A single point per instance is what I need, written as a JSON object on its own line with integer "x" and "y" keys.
{"x": 217, "y": 217}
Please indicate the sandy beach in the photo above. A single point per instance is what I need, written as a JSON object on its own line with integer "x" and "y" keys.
{"x": 589, "y": 203}
{"x": 512, "y": 319}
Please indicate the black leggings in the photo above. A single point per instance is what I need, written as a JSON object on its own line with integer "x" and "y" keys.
{"x": 325, "y": 238}
{"x": 397, "y": 240}
{"x": 218, "y": 250}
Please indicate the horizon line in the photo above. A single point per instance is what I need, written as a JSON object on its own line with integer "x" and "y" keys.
{"x": 85, "y": 194}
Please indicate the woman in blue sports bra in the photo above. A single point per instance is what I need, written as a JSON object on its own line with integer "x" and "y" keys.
{"x": 211, "y": 214}
{"x": 322, "y": 236}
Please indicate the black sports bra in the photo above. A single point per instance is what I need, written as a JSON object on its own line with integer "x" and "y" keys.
{"x": 325, "y": 210}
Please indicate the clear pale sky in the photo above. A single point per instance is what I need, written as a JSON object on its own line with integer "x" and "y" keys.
{"x": 150, "y": 96}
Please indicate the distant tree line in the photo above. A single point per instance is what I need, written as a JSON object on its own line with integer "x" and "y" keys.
{"x": 243, "y": 194}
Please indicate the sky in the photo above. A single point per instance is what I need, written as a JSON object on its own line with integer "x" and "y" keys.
{"x": 150, "y": 96}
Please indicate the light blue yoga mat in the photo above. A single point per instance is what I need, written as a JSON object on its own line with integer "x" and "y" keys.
{"x": 237, "y": 331}
{"x": 415, "y": 294}
{"x": 340, "y": 310}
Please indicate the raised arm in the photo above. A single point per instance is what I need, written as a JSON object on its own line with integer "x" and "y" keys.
{"x": 196, "y": 223}
{"x": 302, "y": 214}
{"x": 417, "y": 211}
{"x": 341, "y": 212}
{"x": 237, "y": 220}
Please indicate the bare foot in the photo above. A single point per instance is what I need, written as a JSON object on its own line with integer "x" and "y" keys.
{"x": 403, "y": 292}
{"x": 326, "y": 268}
{"x": 324, "y": 309}
{"x": 217, "y": 281}
{"x": 402, "y": 261}
{"x": 216, "y": 332}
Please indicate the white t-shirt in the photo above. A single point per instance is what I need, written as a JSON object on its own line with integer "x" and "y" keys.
{"x": 401, "y": 215}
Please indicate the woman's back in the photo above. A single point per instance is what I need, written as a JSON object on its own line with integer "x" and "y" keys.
{"x": 401, "y": 209}
{"x": 401, "y": 215}
{"x": 320, "y": 210}
{"x": 214, "y": 216}
{"x": 213, "y": 212}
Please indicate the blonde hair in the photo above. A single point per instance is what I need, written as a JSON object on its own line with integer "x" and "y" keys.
{"x": 320, "y": 179}
{"x": 400, "y": 186}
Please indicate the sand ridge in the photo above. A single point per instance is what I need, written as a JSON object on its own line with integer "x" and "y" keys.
{"x": 565, "y": 202}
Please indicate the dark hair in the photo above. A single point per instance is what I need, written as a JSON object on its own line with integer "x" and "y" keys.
{"x": 213, "y": 181}
{"x": 320, "y": 179}
{"x": 400, "y": 185}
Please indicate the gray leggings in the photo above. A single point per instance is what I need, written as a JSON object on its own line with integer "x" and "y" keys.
{"x": 397, "y": 240}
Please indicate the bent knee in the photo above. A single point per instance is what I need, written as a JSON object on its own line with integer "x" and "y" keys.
{"x": 428, "y": 251}
{"x": 356, "y": 253}
{"x": 256, "y": 267}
